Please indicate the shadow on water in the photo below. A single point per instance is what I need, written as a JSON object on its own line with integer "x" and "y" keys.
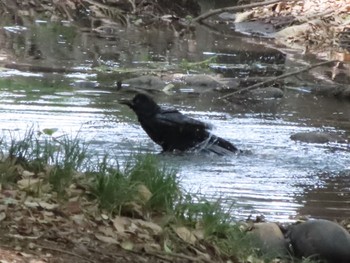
{"x": 280, "y": 179}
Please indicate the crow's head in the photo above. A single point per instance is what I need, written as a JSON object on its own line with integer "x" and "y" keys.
{"x": 142, "y": 105}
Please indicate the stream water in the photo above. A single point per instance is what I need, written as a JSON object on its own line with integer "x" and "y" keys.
{"x": 279, "y": 178}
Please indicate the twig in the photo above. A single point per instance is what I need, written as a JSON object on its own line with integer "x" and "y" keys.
{"x": 257, "y": 85}
{"x": 23, "y": 237}
{"x": 65, "y": 252}
{"x": 234, "y": 8}
{"x": 163, "y": 255}
{"x": 160, "y": 256}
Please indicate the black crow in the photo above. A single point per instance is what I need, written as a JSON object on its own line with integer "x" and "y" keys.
{"x": 174, "y": 131}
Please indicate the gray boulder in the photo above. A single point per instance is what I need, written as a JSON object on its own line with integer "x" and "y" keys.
{"x": 320, "y": 240}
{"x": 317, "y": 137}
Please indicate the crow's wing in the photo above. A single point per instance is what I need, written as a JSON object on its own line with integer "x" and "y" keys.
{"x": 173, "y": 118}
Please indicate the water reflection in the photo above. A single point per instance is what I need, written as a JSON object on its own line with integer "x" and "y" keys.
{"x": 328, "y": 199}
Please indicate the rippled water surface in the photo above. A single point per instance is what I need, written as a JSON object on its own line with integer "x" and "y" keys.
{"x": 276, "y": 176}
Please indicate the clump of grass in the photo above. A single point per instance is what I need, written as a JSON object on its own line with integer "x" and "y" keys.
{"x": 70, "y": 156}
{"x": 110, "y": 186}
{"x": 22, "y": 149}
{"x": 36, "y": 150}
{"x": 216, "y": 223}
{"x": 33, "y": 151}
{"x": 8, "y": 172}
{"x": 22, "y": 152}
{"x": 236, "y": 243}
{"x": 115, "y": 188}
{"x": 162, "y": 181}
{"x": 210, "y": 214}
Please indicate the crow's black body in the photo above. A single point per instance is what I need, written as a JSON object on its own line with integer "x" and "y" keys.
{"x": 174, "y": 131}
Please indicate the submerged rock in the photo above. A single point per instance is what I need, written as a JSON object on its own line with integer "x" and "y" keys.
{"x": 202, "y": 80}
{"x": 320, "y": 239}
{"x": 317, "y": 137}
{"x": 341, "y": 92}
{"x": 266, "y": 93}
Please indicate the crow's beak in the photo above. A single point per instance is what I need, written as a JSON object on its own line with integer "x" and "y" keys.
{"x": 126, "y": 102}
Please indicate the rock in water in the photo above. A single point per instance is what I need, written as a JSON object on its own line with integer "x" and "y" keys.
{"x": 320, "y": 239}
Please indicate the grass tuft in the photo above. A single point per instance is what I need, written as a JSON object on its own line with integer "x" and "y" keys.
{"x": 109, "y": 186}
{"x": 115, "y": 188}
{"x": 70, "y": 156}
{"x": 161, "y": 181}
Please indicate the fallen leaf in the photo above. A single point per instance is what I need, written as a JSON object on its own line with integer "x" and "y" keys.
{"x": 78, "y": 219}
{"x": 31, "y": 204}
{"x": 253, "y": 259}
{"x": 26, "y": 173}
{"x": 3, "y": 208}
{"x": 127, "y": 245}
{"x": 185, "y": 234}
{"x": 149, "y": 247}
{"x": 199, "y": 253}
{"x": 199, "y": 234}
{"x": 156, "y": 229}
{"x": 120, "y": 223}
{"x": 47, "y": 206}
{"x": 106, "y": 230}
{"x": 106, "y": 239}
{"x": 72, "y": 207}
{"x": 166, "y": 248}
{"x": 104, "y": 217}
{"x": 28, "y": 183}
{"x": 2, "y": 216}
{"x": 144, "y": 193}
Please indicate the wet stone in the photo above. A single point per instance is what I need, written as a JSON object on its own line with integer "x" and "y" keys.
{"x": 202, "y": 83}
{"x": 317, "y": 137}
{"x": 340, "y": 92}
{"x": 346, "y": 93}
{"x": 320, "y": 240}
{"x": 266, "y": 93}
{"x": 146, "y": 82}
{"x": 201, "y": 80}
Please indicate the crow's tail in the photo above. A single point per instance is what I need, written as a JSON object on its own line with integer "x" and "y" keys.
{"x": 217, "y": 145}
